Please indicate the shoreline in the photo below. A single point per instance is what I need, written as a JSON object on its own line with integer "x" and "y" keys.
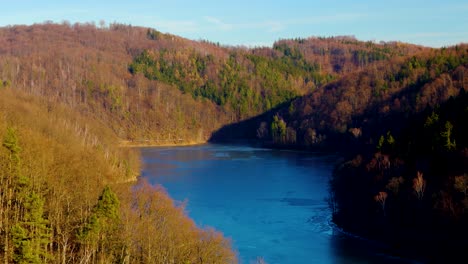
{"x": 149, "y": 144}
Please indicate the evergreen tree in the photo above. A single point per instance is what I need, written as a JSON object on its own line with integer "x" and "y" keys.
{"x": 100, "y": 234}
{"x": 10, "y": 142}
{"x": 278, "y": 130}
{"x": 31, "y": 235}
{"x": 25, "y": 231}
{"x": 10, "y": 187}
{"x": 447, "y": 135}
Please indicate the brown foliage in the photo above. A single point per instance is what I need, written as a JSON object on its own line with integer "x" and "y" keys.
{"x": 399, "y": 85}
{"x": 419, "y": 185}
{"x": 87, "y": 68}
{"x": 67, "y": 160}
{"x": 160, "y": 232}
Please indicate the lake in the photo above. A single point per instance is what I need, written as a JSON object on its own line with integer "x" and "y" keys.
{"x": 271, "y": 203}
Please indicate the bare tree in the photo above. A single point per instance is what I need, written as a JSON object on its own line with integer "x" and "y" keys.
{"x": 381, "y": 198}
{"x": 419, "y": 185}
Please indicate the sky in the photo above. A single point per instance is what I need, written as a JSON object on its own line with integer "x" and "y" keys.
{"x": 260, "y": 23}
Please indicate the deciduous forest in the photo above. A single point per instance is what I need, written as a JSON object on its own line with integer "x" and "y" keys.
{"x": 67, "y": 195}
{"x": 150, "y": 86}
{"x": 71, "y": 96}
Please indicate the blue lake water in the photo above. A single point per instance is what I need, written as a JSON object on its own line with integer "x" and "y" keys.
{"x": 271, "y": 203}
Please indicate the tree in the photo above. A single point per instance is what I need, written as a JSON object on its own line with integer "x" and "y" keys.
{"x": 381, "y": 142}
{"x": 394, "y": 185}
{"x": 11, "y": 184}
{"x": 10, "y": 142}
{"x": 419, "y": 185}
{"x": 99, "y": 234}
{"x": 278, "y": 130}
{"x": 381, "y": 198}
{"x": 387, "y": 143}
{"x": 26, "y": 233}
{"x": 31, "y": 235}
{"x": 461, "y": 184}
{"x": 262, "y": 131}
{"x": 447, "y": 135}
{"x": 291, "y": 135}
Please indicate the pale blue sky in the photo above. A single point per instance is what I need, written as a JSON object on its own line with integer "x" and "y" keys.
{"x": 251, "y": 23}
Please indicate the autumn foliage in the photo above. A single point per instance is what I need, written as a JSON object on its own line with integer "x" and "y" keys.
{"x": 68, "y": 195}
{"x": 153, "y": 87}
{"x": 71, "y": 93}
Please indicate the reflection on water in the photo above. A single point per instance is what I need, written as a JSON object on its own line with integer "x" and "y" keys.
{"x": 271, "y": 203}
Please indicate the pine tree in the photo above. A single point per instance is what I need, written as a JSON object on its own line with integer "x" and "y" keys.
{"x": 31, "y": 235}
{"x": 278, "y": 130}
{"x": 99, "y": 234}
{"x": 11, "y": 184}
{"x": 25, "y": 231}
{"x": 447, "y": 135}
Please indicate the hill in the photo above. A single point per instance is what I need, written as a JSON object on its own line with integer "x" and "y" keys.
{"x": 360, "y": 107}
{"x": 65, "y": 198}
{"x": 148, "y": 86}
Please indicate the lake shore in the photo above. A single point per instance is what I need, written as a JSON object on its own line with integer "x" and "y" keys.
{"x": 150, "y": 143}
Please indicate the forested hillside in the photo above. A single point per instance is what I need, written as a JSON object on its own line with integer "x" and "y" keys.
{"x": 64, "y": 195}
{"x": 361, "y": 106}
{"x": 411, "y": 189}
{"x": 248, "y": 82}
{"x": 86, "y": 68}
{"x": 149, "y": 86}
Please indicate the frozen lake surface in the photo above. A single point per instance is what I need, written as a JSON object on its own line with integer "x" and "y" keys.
{"x": 271, "y": 203}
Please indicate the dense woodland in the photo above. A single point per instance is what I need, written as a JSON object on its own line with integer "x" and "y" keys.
{"x": 411, "y": 190}
{"x": 366, "y": 104}
{"x": 67, "y": 195}
{"x": 86, "y": 68}
{"x": 71, "y": 94}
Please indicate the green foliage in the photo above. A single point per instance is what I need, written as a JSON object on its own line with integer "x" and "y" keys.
{"x": 31, "y": 236}
{"x": 153, "y": 34}
{"x": 278, "y": 130}
{"x": 291, "y": 108}
{"x": 18, "y": 180}
{"x": 101, "y": 234}
{"x": 447, "y": 135}
{"x": 432, "y": 120}
{"x": 381, "y": 142}
{"x": 29, "y": 232}
{"x": 390, "y": 139}
{"x": 433, "y": 66}
{"x": 386, "y": 143}
{"x": 288, "y": 51}
{"x": 363, "y": 57}
{"x": 5, "y": 84}
{"x": 249, "y": 84}
{"x": 104, "y": 218}
{"x": 107, "y": 205}
{"x": 21, "y": 244}
{"x": 10, "y": 142}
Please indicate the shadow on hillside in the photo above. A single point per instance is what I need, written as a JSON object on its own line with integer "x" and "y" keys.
{"x": 245, "y": 131}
